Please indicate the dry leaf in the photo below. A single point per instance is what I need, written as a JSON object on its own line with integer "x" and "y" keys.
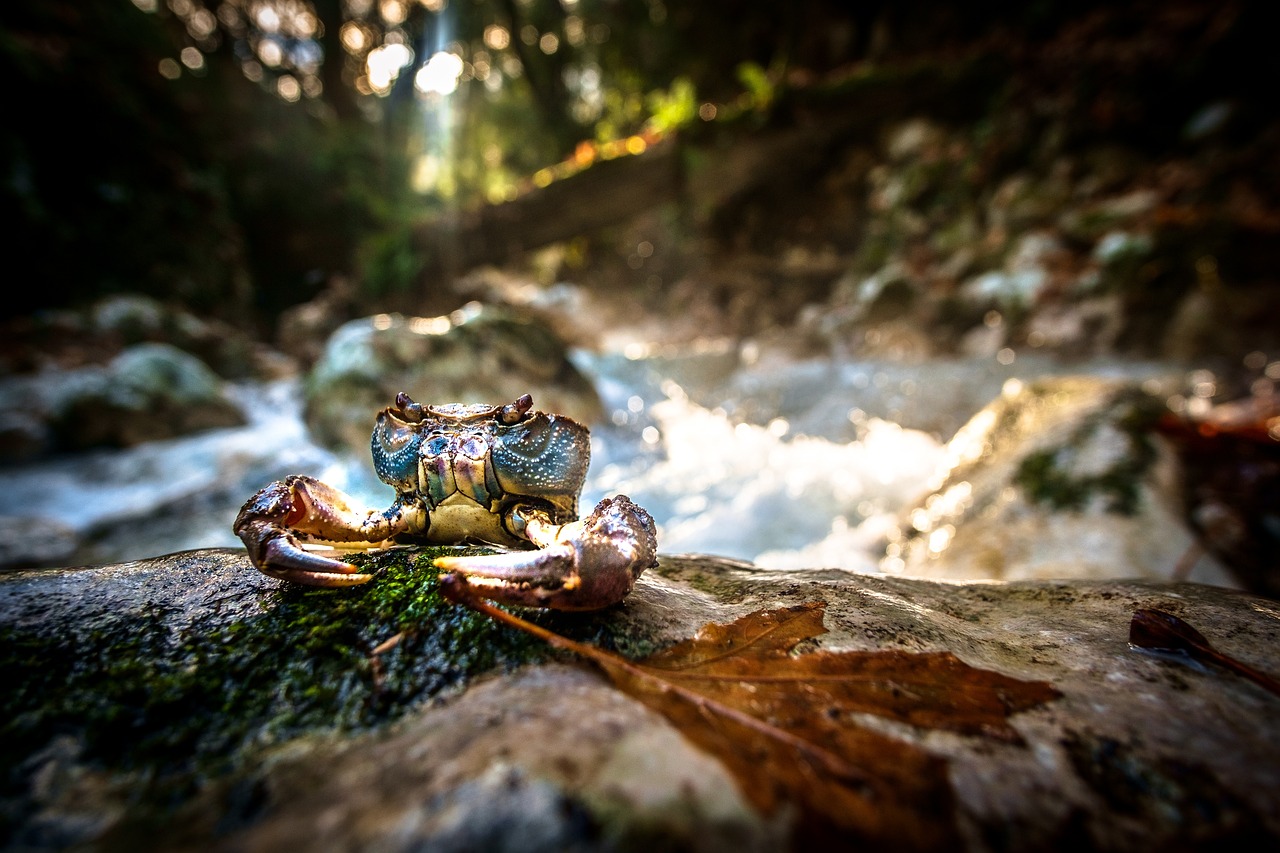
{"x": 787, "y": 725}
{"x": 1158, "y": 631}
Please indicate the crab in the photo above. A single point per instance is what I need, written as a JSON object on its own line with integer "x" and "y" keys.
{"x": 502, "y": 475}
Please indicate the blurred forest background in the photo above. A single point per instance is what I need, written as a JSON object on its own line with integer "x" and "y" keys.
{"x": 813, "y": 219}
{"x": 242, "y": 156}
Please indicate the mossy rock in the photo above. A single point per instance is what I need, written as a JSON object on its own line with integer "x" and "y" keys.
{"x": 1061, "y": 477}
{"x": 169, "y": 672}
{"x": 188, "y": 703}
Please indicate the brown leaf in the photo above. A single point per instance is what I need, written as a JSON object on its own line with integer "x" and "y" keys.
{"x": 787, "y": 725}
{"x": 930, "y": 690}
{"x": 1156, "y": 630}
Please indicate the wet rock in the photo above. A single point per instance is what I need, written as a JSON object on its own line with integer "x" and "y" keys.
{"x": 1057, "y": 478}
{"x": 606, "y": 773}
{"x": 99, "y": 332}
{"x": 1096, "y": 219}
{"x": 1076, "y": 329}
{"x": 876, "y": 316}
{"x": 35, "y": 541}
{"x": 1214, "y": 319}
{"x": 479, "y": 354}
{"x": 1230, "y": 456}
{"x": 133, "y": 319}
{"x": 147, "y": 392}
{"x": 162, "y": 496}
{"x": 1035, "y": 266}
{"x": 1137, "y": 751}
{"x": 567, "y": 309}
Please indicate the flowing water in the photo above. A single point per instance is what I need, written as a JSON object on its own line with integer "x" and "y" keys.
{"x": 796, "y": 463}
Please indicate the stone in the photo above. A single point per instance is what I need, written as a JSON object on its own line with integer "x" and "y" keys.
{"x": 146, "y": 392}
{"x": 149, "y": 391}
{"x": 1138, "y": 751}
{"x": 126, "y": 319}
{"x": 28, "y": 540}
{"x": 479, "y": 354}
{"x": 1062, "y": 477}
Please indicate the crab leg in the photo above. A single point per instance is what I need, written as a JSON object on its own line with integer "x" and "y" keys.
{"x": 584, "y": 565}
{"x": 274, "y": 523}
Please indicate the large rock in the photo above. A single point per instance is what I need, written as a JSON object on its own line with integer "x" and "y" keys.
{"x": 93, "y": 334}
{"x": 190, "y": 703}
{"x": 480, "y": 354}
{"x": 1062, "y": 477}
{"x": 148, "y": 391}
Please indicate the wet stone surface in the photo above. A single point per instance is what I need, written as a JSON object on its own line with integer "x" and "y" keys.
{"x": 189, "y": 703}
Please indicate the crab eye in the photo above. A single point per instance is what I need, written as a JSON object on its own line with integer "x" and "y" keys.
{"x": 513, "y": 413}
{"x": 409, "y": 410}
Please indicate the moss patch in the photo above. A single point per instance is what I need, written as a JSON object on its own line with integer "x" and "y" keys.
{"x": 177, "y": 699}
{"x": 1047, "y": 476}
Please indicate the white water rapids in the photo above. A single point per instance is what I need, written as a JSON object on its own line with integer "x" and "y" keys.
{"x": 800, "y": 464}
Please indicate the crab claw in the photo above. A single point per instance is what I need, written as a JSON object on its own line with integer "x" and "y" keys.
{"x": 274, "y": 522}
{"x": 586, "y": 565}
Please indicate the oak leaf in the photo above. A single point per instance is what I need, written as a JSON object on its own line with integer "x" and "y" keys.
{"x": 791, "y": 727}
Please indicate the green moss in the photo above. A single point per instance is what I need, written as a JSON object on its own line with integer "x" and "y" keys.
{"x": 1047, "y": 478}
{"x": 179, "y": 704}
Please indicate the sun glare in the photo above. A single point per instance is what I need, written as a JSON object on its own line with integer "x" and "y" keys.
{"x": 440, "y": 74}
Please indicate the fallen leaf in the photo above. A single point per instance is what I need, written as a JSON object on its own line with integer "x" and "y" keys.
{"x": 930, "y": 690}
{"x": 1156, "y": 630}
{"x": 788, "y": 725}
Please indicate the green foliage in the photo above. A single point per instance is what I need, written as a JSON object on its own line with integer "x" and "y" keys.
{"x": 673, "y": 108}
{"x": 759, "y": 86}
{"x": 624, "y": 110}
{"x": 388, "y": 261}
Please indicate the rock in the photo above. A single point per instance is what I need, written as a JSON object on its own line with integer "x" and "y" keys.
{"x": 147, "y": 392}
{"x": 914, "y": 138}
{"x": 572, "y": 314}
{"x": 1230, "y": 454}
{"x": 1213, "y": 320}
{"x": 24, "y": 433}
{"x": 1035, "y": 266}
{"x": 1094, "y": 220}
{"x": 1077, "y": 329}
{"x": 35, "y": 541}
{"x": 1059, "y": 478}
{"x": 304, "y": 734}
{"x": 481, "y": 354}
{"x": 135, "y": 319}
{"x": 93, "y": 335}
{"x": 461, "y": 776}
{"x": 302, "y": 329}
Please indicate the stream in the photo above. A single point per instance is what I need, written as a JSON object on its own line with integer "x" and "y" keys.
{"x": 786, "y": 463}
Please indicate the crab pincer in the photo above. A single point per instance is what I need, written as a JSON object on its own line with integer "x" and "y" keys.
{"x": 585, "y": 565}
{"x": 274, "y": 524}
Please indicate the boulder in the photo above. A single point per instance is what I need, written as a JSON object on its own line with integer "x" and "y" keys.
{"x": 1061, "y": 477}
{"x": 148, "y": 391}
{"x": 189, "y": 703}
{"x": 479, "y": 354}
{"x": 97, "y": 332}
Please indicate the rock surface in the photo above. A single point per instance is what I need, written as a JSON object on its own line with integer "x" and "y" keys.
{"x": 1060, "y": 477}
{"x": 1137, "y": 752}
{"x": 481, "y": 354}
{"x": 146, "y": 392}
